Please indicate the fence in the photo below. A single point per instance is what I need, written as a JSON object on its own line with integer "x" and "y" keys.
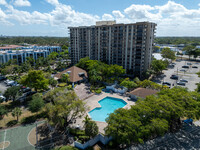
{"x": 103, "y": 139}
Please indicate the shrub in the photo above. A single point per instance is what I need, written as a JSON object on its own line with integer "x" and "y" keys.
{"x": 62, "y": 84}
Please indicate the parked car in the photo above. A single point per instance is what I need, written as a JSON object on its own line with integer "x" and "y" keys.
{"x": 7, "y": 81}
{"x": 189, "y": 63}
{"x": 167, "y": 83}
{"x": 22, "y": 98}
{"x": 178, "y": 60}
{"x": 10, "y": 83}
{"x": 2, "y": 78}
{"x": 185, "y": 67}
{"x": 29, "y": 93}
{"x": 2, "y": 98}
{"x": 25, "y": 89}
{"x": 183, "y": 80}
{"x": 174, "y": 77}
{"x": 194, "y": 67}
{"x": 181, "y": 83}
{"x": 182, "y": 70}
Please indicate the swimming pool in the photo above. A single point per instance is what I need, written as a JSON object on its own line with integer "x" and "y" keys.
{"x": 108, "y": 105}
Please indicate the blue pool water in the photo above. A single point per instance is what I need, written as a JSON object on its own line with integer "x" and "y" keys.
{"x": 108, "y": 105}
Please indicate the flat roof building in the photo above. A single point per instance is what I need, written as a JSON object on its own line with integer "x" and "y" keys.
{"x": 128, "y": 45}
{"x": 21, "y": 54}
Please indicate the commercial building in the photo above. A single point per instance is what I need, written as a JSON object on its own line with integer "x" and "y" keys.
{"x": 21, "y": 54}
{"x": 128, "y": 45}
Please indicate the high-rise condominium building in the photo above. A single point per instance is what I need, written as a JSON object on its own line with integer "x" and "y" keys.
{"x": 128, "y": 45}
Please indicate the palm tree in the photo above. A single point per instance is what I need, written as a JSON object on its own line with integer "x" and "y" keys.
{"x": 17, "y": 112}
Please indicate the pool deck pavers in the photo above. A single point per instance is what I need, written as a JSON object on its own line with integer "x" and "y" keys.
{"x": 92, "y": 102}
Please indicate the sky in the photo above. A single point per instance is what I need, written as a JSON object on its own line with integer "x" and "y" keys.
{"x": 53, "y": 17}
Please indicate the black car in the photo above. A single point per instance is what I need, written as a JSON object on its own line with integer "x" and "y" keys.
{"x": 174, "y": 77}
{"x": 2, "y": 78}
{"x": 181, "y": 83}
{"x": 185, "y": 67}
{"x": 194, "y": 67}
{"x": 167, "y": 83}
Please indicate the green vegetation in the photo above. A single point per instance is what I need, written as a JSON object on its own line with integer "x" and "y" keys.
{"x": 151, "y": 85}
{"x": 99, "y": 71}
{"x": 66, "y": 148}
{"x": 153, "y": 116}
{"x": 91, "y": 128}
{"x": 192, "y": 51}
{"x": 35, "y": 40}
{"x": 178, "y": 40}
{"x": 36, "y": 103}
{"x": 156, "y": 48}
{"x": 64, "y": 108}
{"x": 65, "y": 78}
{"x": 129, "y": 84}
{"x": 53, "y": 82}
{"x": 168, "y": 53}
{"x": 17, "y": 112}
{"x": 12, "y": 93}
{"x": 3, "y": 111}
{"x": 158, "y": 66}
{"x": 35, "y": 79}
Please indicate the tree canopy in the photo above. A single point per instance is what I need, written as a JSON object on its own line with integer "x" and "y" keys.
{"x": 36, "y": 103}
{"x": 12, "y": 93}
{"x": 158, "y": 66}
{"x": 153, "y": 116}
{"x": 99, "y": 71}
{"x": 168, "y": 53}
{"x": 35, "y": 79}
{"x": 64, "y": 109}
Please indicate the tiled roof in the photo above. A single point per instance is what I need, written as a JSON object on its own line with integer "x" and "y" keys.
{"x": 143, "y": 92}
{"x": 73, "y": 75}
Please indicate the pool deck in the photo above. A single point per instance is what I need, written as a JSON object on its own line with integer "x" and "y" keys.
{"x": 92, "y": 102}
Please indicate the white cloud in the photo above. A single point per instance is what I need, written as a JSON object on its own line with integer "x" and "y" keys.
{"x": 173, "y": 19}
{"x": 107, "y": 17}
{"x": 117, "y": 14}
{"x": 3, "y": 2}
{"x": 199, "y": 4}
{"x": 139, "y": 11}
{"x": 22, "y": 3}
{"x": 65, "y": 15}
{"x": 53, "y": 2}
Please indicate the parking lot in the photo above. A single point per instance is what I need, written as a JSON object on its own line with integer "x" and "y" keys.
{"x": 189, "y": 74}
{"x": 3, "y": 86}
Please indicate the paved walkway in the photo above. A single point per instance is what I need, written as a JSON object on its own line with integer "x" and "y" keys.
{"x": 92, "y": 102}
{"x": 83, "y": 91}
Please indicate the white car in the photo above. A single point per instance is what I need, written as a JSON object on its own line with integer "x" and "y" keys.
{"x": 7, "y": 81}
{"x": 2, "y": 98}
{"x": 10, "y": 83}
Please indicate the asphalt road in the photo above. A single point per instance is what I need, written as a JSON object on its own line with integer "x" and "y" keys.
{"x": 189, "y": 75}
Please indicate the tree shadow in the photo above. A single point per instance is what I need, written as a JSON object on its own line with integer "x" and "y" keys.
{"x": 11, "y": 123}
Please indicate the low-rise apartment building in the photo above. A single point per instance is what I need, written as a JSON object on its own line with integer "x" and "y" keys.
{"x": 21, "y": 55}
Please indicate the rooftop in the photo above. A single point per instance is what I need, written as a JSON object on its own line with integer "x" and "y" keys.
{"x": 74, "y": 73}
{"x": 143, "y": 92}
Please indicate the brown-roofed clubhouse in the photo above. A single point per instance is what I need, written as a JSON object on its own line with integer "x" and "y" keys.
{"x": 76, "y": 74}
{"x": 142, "y": 93}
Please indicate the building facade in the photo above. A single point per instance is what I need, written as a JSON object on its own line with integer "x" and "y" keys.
{"x": 128, "y": 45}
{"x": 21, "y": 55}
